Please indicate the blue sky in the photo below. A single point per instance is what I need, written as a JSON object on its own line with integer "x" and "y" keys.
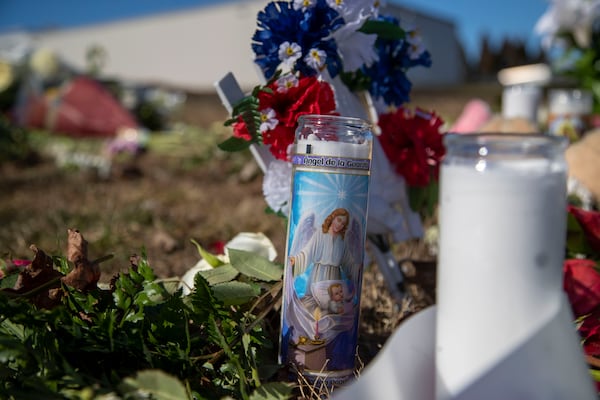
{"x": 473, "y": 18}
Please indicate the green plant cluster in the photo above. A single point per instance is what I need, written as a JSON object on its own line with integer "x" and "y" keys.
{"x": 143, "y": 338}
{"x": 14, "y": 143}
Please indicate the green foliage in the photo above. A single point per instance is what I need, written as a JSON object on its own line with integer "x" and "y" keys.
{"x": 383, "y": 29}
{"x": 424, "y": 199}
{"x": 14, "y": 142}
{"x": 140, "y": 339}
{"x": 209, "y": 258}
{"x": 247, "y": 110}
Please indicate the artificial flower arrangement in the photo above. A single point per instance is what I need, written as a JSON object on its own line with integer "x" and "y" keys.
{"x": 570, "y": 32}
{"x": 314, "y": 54}
{"x": 581, "y": 281}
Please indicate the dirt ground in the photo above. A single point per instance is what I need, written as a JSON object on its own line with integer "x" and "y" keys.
{"x": 184, "y": 188}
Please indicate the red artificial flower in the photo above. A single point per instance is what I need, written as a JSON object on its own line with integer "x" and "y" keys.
{"x": 12, "y": 266}
{"x": 590, "y": 224}
{"x": 589, "y": 331}
{"x": 581, "y": 282}
{"x": 309, "y": 96}
{"x": 412, "y": 142}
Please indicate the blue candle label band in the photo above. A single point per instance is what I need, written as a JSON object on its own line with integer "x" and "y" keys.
{"x": 323, "y": 269}
{"x": 306, "y": 160}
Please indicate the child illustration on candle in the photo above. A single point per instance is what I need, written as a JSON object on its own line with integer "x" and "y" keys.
{"x": 326, "y": 263}
{"x": 336, "y": 298}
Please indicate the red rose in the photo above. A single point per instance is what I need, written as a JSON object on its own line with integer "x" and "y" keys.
{"x": 413, "y": 144}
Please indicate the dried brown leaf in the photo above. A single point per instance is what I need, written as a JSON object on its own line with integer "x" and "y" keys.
{"x": 85, "y": 274}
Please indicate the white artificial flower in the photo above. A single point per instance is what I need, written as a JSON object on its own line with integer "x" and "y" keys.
{"x": 277, "y": 186}
{"x": 286, "y": 82}
{"x": 336, "y": 4}
{"x": 416, "y": 44}
{"x": 304, "y": 4}
{"x": 289, "y": 53}
{"x": 575, "y": 16}
{"x": 7, "y": 75}
{"x": 355, "y": 48}
{"x": 256, "y": 243}
{"x": 354, "y": 10}
{"x": 45, "y": 63}
{"x": 315, "y": 59}
{"x": 267, "y": 120}
{"x": 187, "y": 280}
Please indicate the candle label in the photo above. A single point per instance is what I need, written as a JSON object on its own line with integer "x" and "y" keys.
{"x": 324, "y": 264}
{"x": 333, "y": 162}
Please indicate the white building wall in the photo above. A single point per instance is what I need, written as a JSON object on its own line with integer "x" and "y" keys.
{"x": 191, "y": 49}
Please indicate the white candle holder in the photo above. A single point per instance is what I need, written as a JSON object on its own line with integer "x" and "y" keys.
{"x": 502, "y": 240}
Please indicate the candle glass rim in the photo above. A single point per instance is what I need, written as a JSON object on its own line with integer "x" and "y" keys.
{"x": 335, "y": 118}
{"x": 330, "y": 127}
{"x": 491, "y": 144}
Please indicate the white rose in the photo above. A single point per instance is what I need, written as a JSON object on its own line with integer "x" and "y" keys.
{"x": 253, "y": 242}
{"x": 187, "y": 280}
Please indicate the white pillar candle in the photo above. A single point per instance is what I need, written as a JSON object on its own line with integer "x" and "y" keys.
{"x": 502, "y": 240}
{"x": 521, "y": 101}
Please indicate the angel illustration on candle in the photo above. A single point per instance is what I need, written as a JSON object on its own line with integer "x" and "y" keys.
{"x": 326, "y": 262}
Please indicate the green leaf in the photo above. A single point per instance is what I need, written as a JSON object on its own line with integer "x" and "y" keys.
{"x": 204, "y": 301}
{"x": 222, "y": 274}
{"x": 9, "y": 281}
{"x": 158, "y": 384}
{"x": 254, "y": 265}
{"x": 595, "y": 374}
{"x": 576, "y": 240}
{"x": 383, "y": 29}
{"x": 235, "y": 293}
{"x": 233, "y": 144}
{"x": 210, "y": 258}
{"x": 273, "y": 391}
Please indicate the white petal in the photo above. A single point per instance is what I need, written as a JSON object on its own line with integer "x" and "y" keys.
{"x": 254, "y": 242}
{"x": 187, "y": 280}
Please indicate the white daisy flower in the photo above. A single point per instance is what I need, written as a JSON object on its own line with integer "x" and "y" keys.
{"x": 315, "y": 59}
{"x": 289, "y": 53}
{"x": 303, "y": 4}
{"x": 286, "y": 82}
{"x": 336, "y": 4}
{"x": 416, "y": 44}
{"x": 268, "y": 120}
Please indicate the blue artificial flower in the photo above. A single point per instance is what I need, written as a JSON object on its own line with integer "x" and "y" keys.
{"x": 387, "y": 77}
{"x": 308, "y": 28}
